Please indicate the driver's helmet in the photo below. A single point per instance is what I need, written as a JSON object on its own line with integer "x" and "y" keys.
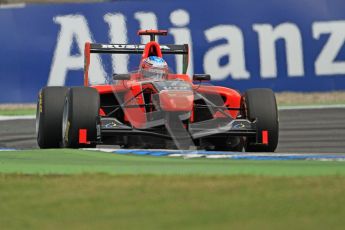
{"x": 154, "y": 67}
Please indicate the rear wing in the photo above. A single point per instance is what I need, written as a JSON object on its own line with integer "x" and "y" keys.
{"x": 153, "y": 33}
{"x": 131, "y": 49}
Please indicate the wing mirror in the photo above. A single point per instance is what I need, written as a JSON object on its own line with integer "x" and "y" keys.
{"x": 201, "y": 77}
{"x": 121, "y": 76}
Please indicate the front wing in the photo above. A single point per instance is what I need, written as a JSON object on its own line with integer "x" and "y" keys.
{"x": 237, "y": 127}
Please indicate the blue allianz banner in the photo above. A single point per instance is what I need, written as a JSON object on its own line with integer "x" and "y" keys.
{"x": 295, "y": 45}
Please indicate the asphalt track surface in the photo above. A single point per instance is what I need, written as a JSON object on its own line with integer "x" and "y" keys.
{"x": 301, "y": 131}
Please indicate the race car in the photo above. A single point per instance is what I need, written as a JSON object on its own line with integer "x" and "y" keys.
{"x": 153, "y": 107}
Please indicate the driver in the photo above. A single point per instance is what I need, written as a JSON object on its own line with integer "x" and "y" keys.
{"x": 154, "y": 67}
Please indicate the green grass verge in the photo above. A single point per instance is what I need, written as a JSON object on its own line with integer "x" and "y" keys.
{"x": 67, "y": 161}
{"x": 17, "y": 112}
{"x": 75, "y": 189}
{"x": 171, "y": 202}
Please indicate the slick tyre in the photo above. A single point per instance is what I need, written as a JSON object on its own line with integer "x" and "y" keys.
{"x": 80, "y": 113}
{"x": 260, "y": 105}
{"x": 49, "y": 111}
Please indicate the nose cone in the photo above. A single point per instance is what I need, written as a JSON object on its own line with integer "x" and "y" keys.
{"x": 176, "y": 100}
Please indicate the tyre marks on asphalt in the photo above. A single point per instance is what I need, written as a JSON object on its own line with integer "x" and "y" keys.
{"x": 312, "y": 130}
{"x": 18, "y": 134}
{"x": 301, "y": 131}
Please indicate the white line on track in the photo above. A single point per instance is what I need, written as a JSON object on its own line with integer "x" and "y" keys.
{"x": 304, "y": 107}
{"x": 188, "y": 154}
{"x": 23, "y": 117}
{"x": 177, "y": 152}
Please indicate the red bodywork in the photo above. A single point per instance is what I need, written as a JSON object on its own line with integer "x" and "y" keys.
{"x": 170, "y": 101}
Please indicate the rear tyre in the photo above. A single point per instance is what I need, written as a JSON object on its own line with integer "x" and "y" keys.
{"x": 81, "y": 112}
{"x": 260, "y": 105}
{"x": 49, "y": 116}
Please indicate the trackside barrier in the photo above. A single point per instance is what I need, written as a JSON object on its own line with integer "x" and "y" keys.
{"x": 295, "y": 45}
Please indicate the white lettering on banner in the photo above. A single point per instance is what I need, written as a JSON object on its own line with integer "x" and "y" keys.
{"x": 293, "y": 46}
{"x": 325, "y": 63}
{"x": 147, "y": 20}
{"x": 118, "y": 34}
{"x": 73, "y": 27}
{"x": 234, "y": 49}
{"x": 182, "y": 35}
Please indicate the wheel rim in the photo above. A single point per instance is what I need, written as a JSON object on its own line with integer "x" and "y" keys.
{"x": 38, "y": 116}
{"x": 64, "y": 120}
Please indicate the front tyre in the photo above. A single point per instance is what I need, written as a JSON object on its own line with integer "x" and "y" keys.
{"x": 80, "y": 118}
{"x": 260, "y": 105}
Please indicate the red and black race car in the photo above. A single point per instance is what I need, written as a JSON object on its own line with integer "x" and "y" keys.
{"x": 154, "y": 108}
